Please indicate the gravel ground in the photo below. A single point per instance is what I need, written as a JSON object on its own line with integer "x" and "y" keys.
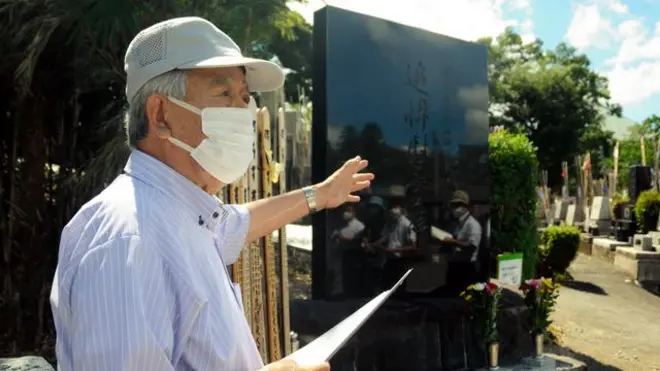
{"x": 606, "y": 321}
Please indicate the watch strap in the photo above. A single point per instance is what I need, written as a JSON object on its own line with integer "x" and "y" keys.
{"x": 310, "y": 196}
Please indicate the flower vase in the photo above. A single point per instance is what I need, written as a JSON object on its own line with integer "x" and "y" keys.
{"x": 538, "y": 345}
{"x": 494, "y": 355}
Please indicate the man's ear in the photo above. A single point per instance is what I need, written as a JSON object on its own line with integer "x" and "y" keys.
{"x": 155, "y": 112}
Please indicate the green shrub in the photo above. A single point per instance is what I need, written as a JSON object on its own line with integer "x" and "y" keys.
{"x": 560, "y": 244}
{"x": 647, "y": 208}
{"x": 513, "y": 197}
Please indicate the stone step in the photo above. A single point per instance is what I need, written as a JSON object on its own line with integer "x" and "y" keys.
{"x": 32, "y": 363}
{"x": 605, "y": 248}
{"x": 643, "y": 266}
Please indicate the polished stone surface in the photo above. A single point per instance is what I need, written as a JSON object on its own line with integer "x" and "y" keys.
{"x": 415, "y": 104}
{"x": 415, "y": 334}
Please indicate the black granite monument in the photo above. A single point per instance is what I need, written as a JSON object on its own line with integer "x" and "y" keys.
{"x": 415, "y": 104}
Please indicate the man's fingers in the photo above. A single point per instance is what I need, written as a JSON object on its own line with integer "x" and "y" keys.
{"x": 357, "y": 163}
{"x": 361, "y": 177}
{"x": 360, "y": 185}
{"x": 353, "y": 199}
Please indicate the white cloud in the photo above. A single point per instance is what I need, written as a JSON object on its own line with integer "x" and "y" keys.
{"x": 590, "y": 28}
{"x": 465, "y": 19}
{"x": 617, "y": 7}
{"x": 634, "y": 84}
{"x": 634, "y": 66}
{"x": 634, "y": 71}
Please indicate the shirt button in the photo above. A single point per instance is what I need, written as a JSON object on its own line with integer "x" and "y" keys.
{"x": 215, "y": 214}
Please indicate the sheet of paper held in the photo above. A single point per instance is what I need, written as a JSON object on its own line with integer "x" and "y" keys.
{"x": 325, "y": 346}
{"x": 439, "y": 233}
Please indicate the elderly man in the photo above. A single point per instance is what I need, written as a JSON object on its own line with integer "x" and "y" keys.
{"x": 141, "y": 282}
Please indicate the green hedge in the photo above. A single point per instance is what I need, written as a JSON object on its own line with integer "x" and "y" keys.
{"x": 647, "y": 208}
{"x": 513, "y": 197}
{"x": 560, "y": 244}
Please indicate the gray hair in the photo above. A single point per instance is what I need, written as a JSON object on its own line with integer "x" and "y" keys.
{"x": 136, "y": 123}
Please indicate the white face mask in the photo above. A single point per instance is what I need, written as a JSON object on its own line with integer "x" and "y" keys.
{"x": 227, "y": 152}
{"x": 458, "y": 211}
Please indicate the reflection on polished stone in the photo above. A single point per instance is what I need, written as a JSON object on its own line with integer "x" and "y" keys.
{"x": 415, "y": 104}
{"x": 415, "y": 334}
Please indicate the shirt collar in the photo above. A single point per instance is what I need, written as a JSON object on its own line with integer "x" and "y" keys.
{"x": 156, "y": 174}
{"x": 464, "y": 217}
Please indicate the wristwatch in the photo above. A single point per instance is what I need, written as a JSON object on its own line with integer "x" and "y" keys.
{"x": 310, "y": 196}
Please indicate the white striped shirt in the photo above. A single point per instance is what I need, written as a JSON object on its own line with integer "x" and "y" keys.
{"x": 141, "y": 283}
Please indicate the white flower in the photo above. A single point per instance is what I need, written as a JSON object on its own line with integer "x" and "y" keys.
{"x": 479, "y": 286}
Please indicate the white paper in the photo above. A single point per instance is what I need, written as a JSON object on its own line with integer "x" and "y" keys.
{"x": 324, "y": 347}
{"x": 439, "y": 233}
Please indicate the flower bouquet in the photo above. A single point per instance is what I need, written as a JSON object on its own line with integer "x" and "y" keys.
{"x": 540, "y": 297}
{"x": 483, "y": 302}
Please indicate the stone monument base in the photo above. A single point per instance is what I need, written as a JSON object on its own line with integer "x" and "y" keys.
{"x": 605, "y": 248}
{"x": 642, "y": 266}
{"x": 586, "y": 241}
{"x": 421, "y": 334}
{"x": 31, "y": 363}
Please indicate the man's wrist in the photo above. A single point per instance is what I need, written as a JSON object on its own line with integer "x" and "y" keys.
{"x": 321, "y": 196}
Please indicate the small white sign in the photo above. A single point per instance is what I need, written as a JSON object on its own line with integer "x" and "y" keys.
{"x": 510, "y": 268}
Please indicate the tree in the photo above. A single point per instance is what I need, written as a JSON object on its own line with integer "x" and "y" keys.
{"x": 630, "y": 150}
{"x": 630, "y": 153}
{"x": 552, "y": 96}
{"x": 649, "y": 127}
{"x": 294, "y": 50}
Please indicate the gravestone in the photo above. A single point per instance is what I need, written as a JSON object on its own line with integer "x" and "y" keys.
{"x": 574, "y": 213}
{"x": 599, "y": 214}
{"x": 560, "y": 209}
{"x": 570, "y": 214}
{"x": 415, "y": 104}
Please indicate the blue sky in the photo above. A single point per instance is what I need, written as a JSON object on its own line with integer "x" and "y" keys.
{"x": 621, "y": 37}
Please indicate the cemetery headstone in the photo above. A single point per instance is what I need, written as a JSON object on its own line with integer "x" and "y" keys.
{"x": 561, "y": 207}
{"x": 599, "y": 214}
{"x": 570, "y": 214}
{"x": 415, "y": 104}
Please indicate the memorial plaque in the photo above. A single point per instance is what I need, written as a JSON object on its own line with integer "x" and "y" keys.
{"x": 415, "y": 104}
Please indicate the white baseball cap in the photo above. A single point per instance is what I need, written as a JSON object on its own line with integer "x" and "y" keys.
{"x": 189, "y": 43}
